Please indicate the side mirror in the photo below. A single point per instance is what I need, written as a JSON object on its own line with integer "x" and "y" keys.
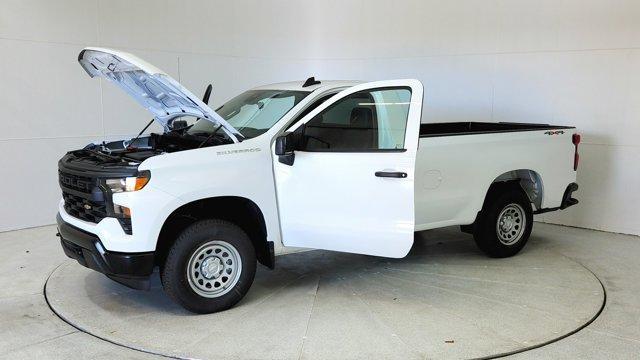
{"x": 285, "y": 145}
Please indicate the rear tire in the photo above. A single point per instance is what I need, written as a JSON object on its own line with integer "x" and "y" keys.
{"x": 210, "y": 267}
{"x": 505, "y": 222}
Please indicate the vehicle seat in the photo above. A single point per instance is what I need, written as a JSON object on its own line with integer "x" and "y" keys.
{"x": 358, "y": 132}
{"x": 363, "y": 132}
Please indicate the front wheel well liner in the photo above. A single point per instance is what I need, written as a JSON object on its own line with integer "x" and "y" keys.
{"x": 239, "y": 210}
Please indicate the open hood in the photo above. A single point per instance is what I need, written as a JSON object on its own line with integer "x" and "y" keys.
{"x": 158, "y": 92}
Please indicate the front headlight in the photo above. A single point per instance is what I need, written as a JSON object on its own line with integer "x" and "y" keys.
{"x": 133, "y": 183}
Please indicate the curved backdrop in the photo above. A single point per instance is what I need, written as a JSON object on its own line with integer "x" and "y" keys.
{"x": 569, "y": 62}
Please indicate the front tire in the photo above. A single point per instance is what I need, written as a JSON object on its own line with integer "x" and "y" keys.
{"x": 505, "y": 222}
{"x": 210, "y": 267}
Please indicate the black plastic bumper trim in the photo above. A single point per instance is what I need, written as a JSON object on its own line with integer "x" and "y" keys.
{"x": 130, "y": 269}
{"x": 567, "y": 200}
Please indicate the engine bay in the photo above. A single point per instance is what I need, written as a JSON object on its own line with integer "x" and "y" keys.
{"x": 134, "y": 151}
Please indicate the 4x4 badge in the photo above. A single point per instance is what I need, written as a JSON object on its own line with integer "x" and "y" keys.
{"x": 555, "y": 132}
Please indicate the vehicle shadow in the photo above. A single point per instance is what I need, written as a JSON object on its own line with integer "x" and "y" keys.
{"x": 296, "y": 271}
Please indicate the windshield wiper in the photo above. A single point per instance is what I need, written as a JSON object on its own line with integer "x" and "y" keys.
{"x": 210, "y": 136}
{"x": 241, "y": 138}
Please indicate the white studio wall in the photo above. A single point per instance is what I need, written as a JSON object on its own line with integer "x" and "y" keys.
{"x": 569, "y": 62}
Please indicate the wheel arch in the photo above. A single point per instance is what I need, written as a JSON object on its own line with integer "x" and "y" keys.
{"x": 239, "y": 210}
{"x": 530, "y": 181}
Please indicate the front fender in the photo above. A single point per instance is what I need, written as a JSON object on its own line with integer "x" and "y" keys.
{"x": 150, "y": 207}
{"x": 236, "y": 170}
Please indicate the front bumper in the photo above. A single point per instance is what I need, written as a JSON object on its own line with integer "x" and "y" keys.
{"x": 130, "y": 269}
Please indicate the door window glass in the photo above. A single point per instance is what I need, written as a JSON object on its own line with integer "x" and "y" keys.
{"x": 364, "y": 121}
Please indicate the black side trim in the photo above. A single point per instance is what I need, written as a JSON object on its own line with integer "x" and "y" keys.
{"x": 567, "y": 200}
{"x": 476, "y": 128}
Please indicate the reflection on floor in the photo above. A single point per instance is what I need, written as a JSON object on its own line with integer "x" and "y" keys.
{"x": 331, "y": 294}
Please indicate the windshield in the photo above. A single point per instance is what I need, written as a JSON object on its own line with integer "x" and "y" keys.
{"x": 253, "y": 112}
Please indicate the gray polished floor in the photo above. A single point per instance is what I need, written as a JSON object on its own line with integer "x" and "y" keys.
{"x": 445, "y": 300}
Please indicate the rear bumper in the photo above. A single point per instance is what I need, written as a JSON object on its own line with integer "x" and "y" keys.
{"x": 130, "y": 269}
{"x": 567, "y": 200}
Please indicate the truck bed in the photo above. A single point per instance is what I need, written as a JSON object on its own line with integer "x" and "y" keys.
{"x": 471, "y": 128}
{"x": 453, "y": 173}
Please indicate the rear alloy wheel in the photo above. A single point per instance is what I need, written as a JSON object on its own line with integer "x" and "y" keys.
{"x": 210, "y": 267}
{"x": 505, "y": 222}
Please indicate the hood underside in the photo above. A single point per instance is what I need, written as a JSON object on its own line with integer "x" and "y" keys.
{"x": 152, "y": 88}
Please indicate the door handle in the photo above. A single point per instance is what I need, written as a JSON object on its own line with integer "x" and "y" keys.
{"x": 391, "y": 174}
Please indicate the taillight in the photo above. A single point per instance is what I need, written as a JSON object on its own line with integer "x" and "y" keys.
{"x": 575, "y": 139}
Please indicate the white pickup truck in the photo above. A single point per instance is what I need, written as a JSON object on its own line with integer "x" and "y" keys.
{"x": 335, "y": 165}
